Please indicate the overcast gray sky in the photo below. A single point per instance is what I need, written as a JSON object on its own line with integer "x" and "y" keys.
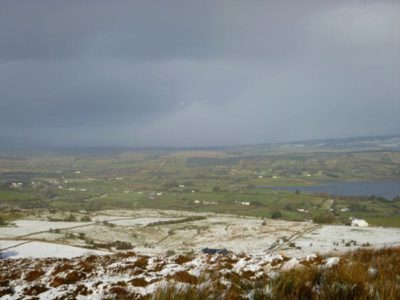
{"x": 198, "y": 73}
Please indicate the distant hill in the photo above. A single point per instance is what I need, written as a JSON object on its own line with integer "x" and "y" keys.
{"x": 390, "y": 142}
{"x": 367, "y": 143}
{"x": 9, "y": 143}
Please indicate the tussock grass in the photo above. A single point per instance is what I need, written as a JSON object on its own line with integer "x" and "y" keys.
{"x": 362, "y": 274}
{"x": 182, "y": 292}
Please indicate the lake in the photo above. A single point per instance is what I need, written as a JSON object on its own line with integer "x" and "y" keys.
{"x": 385, "y": 188}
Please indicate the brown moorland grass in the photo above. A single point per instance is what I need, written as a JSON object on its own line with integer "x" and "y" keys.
{"x": 360, "y": 275}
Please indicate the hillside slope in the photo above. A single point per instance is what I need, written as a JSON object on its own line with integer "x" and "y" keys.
{"x": 365, "y": 273}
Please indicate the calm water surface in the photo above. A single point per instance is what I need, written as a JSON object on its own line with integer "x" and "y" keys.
{"x": 387, "y": 188}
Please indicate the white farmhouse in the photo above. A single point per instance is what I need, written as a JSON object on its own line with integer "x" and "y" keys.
{"x": 359, "y": 223}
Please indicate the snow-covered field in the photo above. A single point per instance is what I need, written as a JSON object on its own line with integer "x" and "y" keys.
{"x": 140, "y": 221}
{"x": 25, "y": 227}
{"x": 43, "y": 249}
{"x": 332, "y": 238}
{"x": 9, "y": 243}
{"x": 108, "y": 215}
{"x": 238, "y": 234}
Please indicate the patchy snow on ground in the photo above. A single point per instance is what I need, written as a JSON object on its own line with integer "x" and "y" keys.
{"x": 247, "y": 235}
{"x": 331, "y": 238}
{"x": 107, "y": 215}
{"x": 110, "y": 276}
{"x": 292, "y": 263}
{"x": 238, "y": 234}
{"x": 42, "y": 249}
{"x": 141, "y": 221}
{"x": 331, "y": 261}
{"x": 255, "y": 248}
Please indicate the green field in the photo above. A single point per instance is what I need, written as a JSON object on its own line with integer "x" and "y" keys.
{"x": 6, "y": 195}
{"x": 221, "y": 181}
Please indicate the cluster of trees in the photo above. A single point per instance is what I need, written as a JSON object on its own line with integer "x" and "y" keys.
{"x": 276, "y": 215}
{"x": 326, "y": 218}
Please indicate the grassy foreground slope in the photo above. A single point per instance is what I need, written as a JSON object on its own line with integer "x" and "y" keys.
{"x": 363, "y": 274}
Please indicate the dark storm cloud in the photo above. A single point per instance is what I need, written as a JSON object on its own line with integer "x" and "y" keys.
{"x": 147, "y": 30}
{"x": 197, "y": 72}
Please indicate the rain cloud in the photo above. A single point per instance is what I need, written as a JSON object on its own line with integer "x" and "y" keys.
{"x": 198, "y": 73}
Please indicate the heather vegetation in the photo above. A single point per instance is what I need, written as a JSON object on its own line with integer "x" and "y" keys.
{"x": 355, "y": 275}
{"x": 363, "y": 274}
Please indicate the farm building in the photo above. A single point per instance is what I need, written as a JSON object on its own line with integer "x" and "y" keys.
{"x": 359, "y": 223}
